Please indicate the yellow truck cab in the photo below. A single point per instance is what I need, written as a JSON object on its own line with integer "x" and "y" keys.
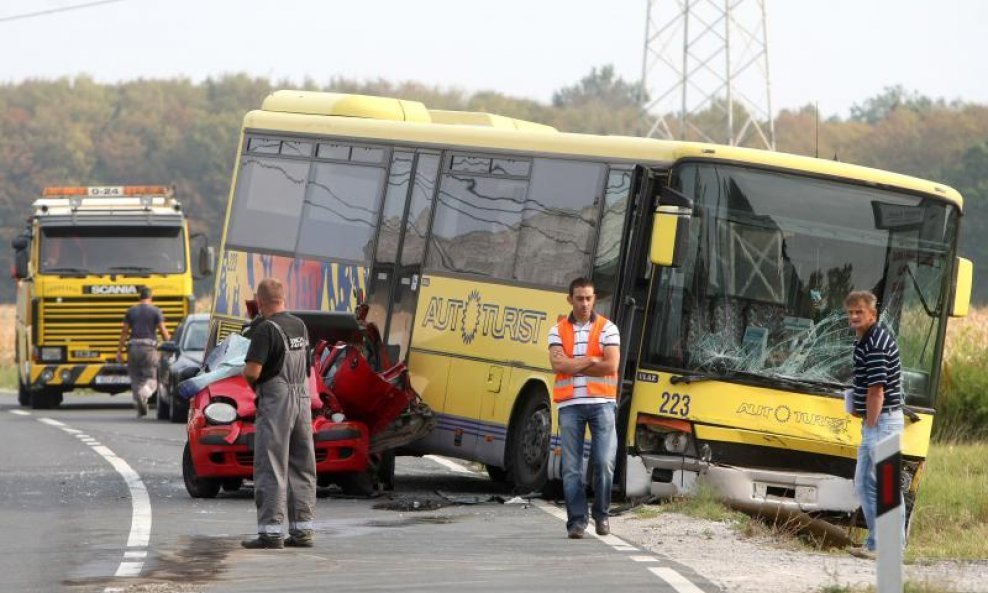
{"x": 79, "y": 265}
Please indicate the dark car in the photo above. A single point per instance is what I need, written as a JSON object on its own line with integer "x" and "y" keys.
{"x": 184, "y": 351}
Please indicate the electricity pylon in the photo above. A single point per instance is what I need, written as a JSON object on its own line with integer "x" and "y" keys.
{"x": 705, "y": 69}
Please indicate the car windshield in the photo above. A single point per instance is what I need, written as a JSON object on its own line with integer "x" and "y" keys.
{"x": 194, "y": 336}
{"x": 112, "y": 250}
{"x": 770, "y": 260}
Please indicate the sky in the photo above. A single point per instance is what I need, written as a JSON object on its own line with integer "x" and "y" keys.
{"x": 835, "y": 53}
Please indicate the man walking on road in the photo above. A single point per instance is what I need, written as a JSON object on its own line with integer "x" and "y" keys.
{"x": 138, "y": 332}
{"x": 277, "y": 365}
{"x": 584, "y": 350}
{"x": 877, "y": 399}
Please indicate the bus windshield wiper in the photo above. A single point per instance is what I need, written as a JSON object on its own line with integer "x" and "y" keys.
{"x": 694, "y": 378}
{"x": 67, "y": 270}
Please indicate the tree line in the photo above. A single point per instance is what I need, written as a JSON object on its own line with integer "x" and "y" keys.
{"x": 176, "y": 131}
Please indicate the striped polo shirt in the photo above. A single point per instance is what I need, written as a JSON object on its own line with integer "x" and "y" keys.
{"x": 876, "y": 362}
{"x": 609, "y": 336}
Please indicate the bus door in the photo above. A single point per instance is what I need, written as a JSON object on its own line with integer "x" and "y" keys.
{"x": 400, "y": 252}
{"x": 631, "y": 273}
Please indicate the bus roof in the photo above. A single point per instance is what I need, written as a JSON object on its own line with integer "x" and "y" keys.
{"x": 389, "y": 119}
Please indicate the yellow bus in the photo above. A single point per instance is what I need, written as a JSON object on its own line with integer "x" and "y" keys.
{"x": 79, "y": 264}
{"x": 725, "y": 269}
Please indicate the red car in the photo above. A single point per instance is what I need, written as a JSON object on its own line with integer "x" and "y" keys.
{"x": 352, "y": 375}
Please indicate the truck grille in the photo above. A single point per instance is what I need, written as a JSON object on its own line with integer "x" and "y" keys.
{"x": 96, "y": 321}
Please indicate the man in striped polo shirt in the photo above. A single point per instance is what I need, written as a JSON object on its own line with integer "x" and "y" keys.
{"x": 877, "y": 398}
{"x": 584, "y": 350}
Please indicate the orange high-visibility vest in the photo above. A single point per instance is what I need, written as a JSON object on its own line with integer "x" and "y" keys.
{"x": 597, "y": 387}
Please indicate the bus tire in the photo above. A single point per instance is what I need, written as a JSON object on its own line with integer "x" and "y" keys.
{"x": 527, "y": 454}
{"x": 196, "y": 486}
{"x": 45, "y": 398}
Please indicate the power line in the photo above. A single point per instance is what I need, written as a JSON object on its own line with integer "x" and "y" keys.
{"x": 28, "y": 15}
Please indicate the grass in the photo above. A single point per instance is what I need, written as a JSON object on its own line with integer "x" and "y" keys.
{"x": 951, "y": 515}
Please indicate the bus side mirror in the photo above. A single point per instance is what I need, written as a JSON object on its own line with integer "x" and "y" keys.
{"x": 961, "y": 287}
{"x": 670, "y": 229}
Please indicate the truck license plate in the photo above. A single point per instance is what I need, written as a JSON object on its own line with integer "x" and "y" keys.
{"x": 112, "y": 380}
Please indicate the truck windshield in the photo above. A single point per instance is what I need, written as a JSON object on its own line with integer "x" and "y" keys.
{"x": 112, "y": 250}
{"x": 771, "y": 258}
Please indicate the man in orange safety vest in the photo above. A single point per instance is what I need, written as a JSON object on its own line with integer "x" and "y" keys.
{"x": 584, "y": 350}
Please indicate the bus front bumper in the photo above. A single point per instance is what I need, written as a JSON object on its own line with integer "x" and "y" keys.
{"x": 675, "y": 476}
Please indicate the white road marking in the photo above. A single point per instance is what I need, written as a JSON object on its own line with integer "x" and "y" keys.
{"x": 20, "y": 412}
{"x": 140, "y": 523}
{"x": 675, "y": 580}
{"x": 448, "y": 464}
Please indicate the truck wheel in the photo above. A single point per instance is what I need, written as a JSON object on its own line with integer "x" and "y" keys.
{"x": 45, "y": 398}
{"x": 196, "y": 486}
{"x": 163, "y": 410}
{"x": 527, "y": 455}
{"x": 23, "y": 395}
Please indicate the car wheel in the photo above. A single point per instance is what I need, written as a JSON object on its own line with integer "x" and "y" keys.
{"x": 386, "y": 471}
{"x": 45, "y": 398}
{"x": 527, "y": 455}
{"x": 179, "y": 409}
{"x": 358, "y": 484}
{"x": 197, "y": 486}
{"x": 232, "y": 484}
{"x": 163, "y": 411}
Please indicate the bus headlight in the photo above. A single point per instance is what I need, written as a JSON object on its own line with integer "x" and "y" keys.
{"x": 676, "y": 442}
{"x": 220, "y": 413}
{"x": 664, "y": 436}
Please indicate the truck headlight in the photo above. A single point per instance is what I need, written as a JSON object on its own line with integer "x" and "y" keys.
{"x": 220, "y": 413}
{"x": 51, "y": 353}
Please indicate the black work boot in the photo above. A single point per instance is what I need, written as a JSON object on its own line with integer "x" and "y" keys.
{"x": 264, "y": 541}
{"x": 302, "y": 538}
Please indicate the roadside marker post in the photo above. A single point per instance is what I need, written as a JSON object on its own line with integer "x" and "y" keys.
{"x": 890, "y": 515}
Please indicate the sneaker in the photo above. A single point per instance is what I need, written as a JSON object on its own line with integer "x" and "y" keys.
{"x": 264, "y": 542}
{"x": 300, "y": 539}
{"x": 575, "y": 533}
{"x": 862, "y": 552}
{"x": 602, "y": 527}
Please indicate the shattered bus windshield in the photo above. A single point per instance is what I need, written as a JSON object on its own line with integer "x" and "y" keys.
{"x": 771, "y": 258}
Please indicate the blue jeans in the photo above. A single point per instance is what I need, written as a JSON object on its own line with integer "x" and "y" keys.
{"x": 865, "y": 481}
{"x": 573, "y": 421}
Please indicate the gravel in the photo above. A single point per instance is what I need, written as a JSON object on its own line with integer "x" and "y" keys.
{"x": 755, "y": 565}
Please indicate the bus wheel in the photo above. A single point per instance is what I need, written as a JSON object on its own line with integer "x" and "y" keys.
{"x": 527, "y": 456}
{"x": 497, "y": 474}
{"x": 197, "y": 487}
{"x": 45, "y": 398}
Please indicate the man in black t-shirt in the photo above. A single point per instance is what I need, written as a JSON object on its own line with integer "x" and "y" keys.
{"x": 138, "y": 331}
{"x": 277, "y": 365}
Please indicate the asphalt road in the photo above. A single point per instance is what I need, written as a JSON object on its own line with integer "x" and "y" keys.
{"x": 92, "y": 500}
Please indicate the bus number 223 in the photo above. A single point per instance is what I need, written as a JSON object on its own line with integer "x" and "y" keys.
{"x": 675, "y": 404}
